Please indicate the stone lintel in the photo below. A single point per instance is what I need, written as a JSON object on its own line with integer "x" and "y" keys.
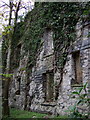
{"x": 49, "y": 104}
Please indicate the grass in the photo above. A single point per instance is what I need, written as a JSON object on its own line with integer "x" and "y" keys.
{"x": 16, "y": 114}
{"x": 25, "y": 114}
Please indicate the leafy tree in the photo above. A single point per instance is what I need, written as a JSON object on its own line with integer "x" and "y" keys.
{"x": 8, "y": 39}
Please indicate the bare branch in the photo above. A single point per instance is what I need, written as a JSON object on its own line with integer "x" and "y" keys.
{"x": 5, "y": 4}
{"x": 23, "y": 7}
{"x": 2, "y": 6}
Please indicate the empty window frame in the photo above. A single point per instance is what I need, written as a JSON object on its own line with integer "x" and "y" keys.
{"x": 77, "y": 68}
{"x": 48, "y": 86}
{"x": 48, "y": 41}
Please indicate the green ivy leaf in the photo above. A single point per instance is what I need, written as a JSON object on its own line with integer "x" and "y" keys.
{"x": 75, "y": 92}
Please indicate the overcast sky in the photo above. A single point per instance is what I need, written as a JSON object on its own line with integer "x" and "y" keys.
{"x": 29, "y": 2}
{"x": 5, "y": 12}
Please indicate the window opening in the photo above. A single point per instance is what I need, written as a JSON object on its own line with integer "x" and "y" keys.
{"x": 77, "y": 68}
{"x": 48, "y": 86}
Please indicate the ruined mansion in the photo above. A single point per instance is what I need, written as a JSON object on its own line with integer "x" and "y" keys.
{"x": 40, "y": 93}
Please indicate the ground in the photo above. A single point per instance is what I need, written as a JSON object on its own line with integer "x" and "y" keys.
{"x": 15, "y": 114}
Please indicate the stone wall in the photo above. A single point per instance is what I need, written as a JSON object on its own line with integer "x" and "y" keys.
{"x": 45, "y": 63}
{"x": 81, "y": 44}
{"x": 45, "y": 79}
{"x": 19, "y": 84}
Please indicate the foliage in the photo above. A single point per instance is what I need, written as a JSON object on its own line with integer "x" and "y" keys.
{"x": 16, "y": 113}
{"x": 61, "y": 18}
{"x": 18, "y": 33}
{"x": 82, "y": 99}
{"x": 6, "y": 75}
{"x": 9, "y": 35}
{"x": 13, "y": 5}
{"x": 6, "y": 36}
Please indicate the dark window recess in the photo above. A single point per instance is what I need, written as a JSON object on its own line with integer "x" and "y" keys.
{"x": 17, "y": 56}
{"x": 48, "y": 80}
{"x": 77, "y": 68}
{"x": 18, "y": 84}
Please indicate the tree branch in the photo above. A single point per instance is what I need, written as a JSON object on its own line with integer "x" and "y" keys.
{"x": 5, "y": 4}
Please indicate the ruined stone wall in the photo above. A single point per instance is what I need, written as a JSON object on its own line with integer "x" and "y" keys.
{"x": 44, "y": 63}
{"x": 18, "y": 86}
{"x": 81, "y": 44}
{"x": 45, "y": 79}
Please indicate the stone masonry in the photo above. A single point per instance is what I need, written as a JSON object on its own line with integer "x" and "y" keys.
{"x": 41, "y": 96}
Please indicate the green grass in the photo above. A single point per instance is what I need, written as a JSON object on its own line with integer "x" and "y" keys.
{"x": 16, "y": 113}
{"x": 25, "y": 114}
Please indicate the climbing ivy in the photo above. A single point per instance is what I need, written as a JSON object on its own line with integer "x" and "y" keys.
{"x": 61, "y": 17}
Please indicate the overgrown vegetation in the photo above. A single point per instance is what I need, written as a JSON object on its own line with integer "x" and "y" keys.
{"x": 17, "y": 114}
{"x": 25, "y": 114}
{"x": 82, "y": 99}
{"x": 61, "y": 18}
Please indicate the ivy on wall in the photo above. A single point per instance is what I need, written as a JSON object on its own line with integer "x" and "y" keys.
{"x": 61, "y": 17}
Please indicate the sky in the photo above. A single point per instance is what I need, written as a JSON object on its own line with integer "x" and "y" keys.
{"x": 5, "y": 11}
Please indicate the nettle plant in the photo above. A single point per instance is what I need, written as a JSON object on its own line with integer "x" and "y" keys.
{"x": 83, "y": 98}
